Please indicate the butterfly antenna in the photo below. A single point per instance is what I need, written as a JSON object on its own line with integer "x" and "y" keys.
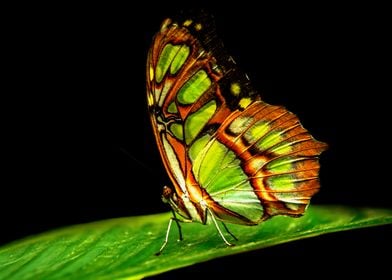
{"x": 134, "y": 159}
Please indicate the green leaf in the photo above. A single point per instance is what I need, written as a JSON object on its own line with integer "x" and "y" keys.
{"x": 124, "y": 248}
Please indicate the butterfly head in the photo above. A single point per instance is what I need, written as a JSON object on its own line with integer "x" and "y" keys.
{"x": 168, "y": 195}
{"x": 175, "y": 201}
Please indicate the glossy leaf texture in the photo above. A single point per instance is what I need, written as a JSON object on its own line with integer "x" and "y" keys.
{"x": 124, "y": 248}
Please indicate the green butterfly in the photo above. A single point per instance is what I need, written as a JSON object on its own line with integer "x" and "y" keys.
{"x": 230, "y": 156}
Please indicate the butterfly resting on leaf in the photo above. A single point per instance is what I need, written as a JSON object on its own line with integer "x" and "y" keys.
{"x": 231, "y": 157}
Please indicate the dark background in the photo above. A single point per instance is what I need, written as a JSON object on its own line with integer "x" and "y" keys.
{"x": 79, "y": 147}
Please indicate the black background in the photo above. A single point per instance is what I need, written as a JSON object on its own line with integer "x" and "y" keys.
{"x": 79, "y": 147}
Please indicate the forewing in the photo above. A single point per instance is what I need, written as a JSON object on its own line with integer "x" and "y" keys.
{"x": 186, "y": 84}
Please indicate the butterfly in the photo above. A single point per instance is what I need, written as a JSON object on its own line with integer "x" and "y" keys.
{"x": 232, "y": 158}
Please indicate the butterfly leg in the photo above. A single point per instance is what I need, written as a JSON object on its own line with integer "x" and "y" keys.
{"x": 228, "y": 231}
{"x": 174, "y": 218}
{"x": 219, "y": 230}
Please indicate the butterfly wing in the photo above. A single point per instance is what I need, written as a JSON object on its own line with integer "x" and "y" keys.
{"x": 224, "y": 148}
{"x": 275, "y": 155}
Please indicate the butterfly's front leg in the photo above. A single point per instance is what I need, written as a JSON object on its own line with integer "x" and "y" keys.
{"x": 177, "y": 220}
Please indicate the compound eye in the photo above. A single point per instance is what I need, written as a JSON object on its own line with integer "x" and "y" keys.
{"x": 166, "y": 194}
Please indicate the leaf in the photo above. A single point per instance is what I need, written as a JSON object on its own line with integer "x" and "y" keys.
{"x": 125, "y": 247}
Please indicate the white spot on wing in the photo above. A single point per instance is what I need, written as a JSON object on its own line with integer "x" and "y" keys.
{"x": 174, "y": 164}
{"x": 164, "y": 92}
